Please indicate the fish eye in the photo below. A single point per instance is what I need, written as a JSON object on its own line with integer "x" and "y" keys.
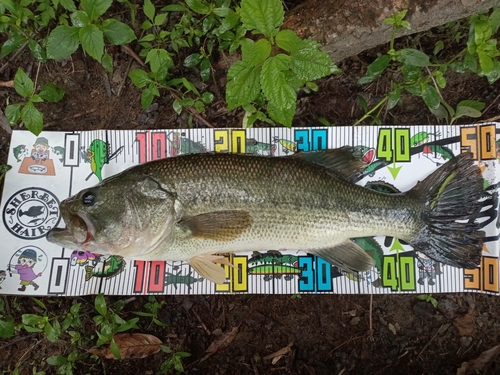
{"x": 88, "y": 198}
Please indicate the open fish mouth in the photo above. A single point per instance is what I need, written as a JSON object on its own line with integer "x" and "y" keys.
{"x": 77, "y": 234}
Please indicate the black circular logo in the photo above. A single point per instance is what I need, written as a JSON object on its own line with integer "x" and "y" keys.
{"x": 30, "y": 213}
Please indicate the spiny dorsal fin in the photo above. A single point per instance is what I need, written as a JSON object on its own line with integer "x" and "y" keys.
{"x": 348, "y": 256}
{"x": 218, "y": 225}
{"x": 340, "y": 161}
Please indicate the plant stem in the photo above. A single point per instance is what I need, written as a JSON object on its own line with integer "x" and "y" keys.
{"x": 367, "y": 114}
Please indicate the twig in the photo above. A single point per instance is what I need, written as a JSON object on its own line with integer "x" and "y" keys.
{"x": 20, "y": 338}
{"x": 124, "y": 79}
{"x": 433, "y": 337}
{"x": 201, "y": 322}
{"x": 36, "y": 76}
{"x": 254, "y": 367}
{"x": 131, "y": 52}
{"x": 7, "y": 83}
{"x": 191, "y": 110}
{"x": 344, "y": 343}
{"x": 370, "y": 331}
{"x": 493, "y": 102}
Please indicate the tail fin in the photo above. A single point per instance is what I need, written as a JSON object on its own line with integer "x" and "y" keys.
{"x": 451, "y": 193}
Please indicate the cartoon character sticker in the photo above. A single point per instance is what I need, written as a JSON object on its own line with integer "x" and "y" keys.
{"x": 98, "y": 154}
{"x": 29, "y": 263}
{"x": 428, "y": 269}
{"x": 38, "y": 161}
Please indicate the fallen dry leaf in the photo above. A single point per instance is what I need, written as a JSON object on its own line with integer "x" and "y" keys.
{"x": 222, "y": 342}
{"x": 478, "y": 365}
{"x": 276, "y": 356}
{"x": 464, "y": 324}
{"x": 131, "y": 345}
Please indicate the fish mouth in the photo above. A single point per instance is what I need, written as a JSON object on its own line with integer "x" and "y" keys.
{"x": 77, "y": 234}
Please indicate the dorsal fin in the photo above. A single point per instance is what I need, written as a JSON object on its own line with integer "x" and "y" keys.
{"x": 340, "y": 161}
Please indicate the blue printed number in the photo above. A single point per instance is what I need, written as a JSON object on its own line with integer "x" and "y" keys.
{"x": 316, "y": 275}
{"x": 311, "y": 139}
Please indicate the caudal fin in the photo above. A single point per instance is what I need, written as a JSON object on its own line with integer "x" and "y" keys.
{"x": 452, "y": 193}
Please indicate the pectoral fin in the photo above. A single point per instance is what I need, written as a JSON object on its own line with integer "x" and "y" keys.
{"x": 219, "y": 225}
{"x": 206, "y": 267}
{"x": 348, "y": 256}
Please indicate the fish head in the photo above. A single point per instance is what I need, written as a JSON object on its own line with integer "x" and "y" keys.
{"x": 125, "y": 215}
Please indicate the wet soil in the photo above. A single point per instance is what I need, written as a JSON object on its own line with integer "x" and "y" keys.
{"x": 326, "y": 334}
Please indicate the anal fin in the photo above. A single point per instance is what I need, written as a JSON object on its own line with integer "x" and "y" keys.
{"x": 207, "y": 268}
{"x": 347, "y": 255}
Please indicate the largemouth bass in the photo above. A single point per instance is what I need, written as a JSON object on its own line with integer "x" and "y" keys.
{"x": 196, "y": 207}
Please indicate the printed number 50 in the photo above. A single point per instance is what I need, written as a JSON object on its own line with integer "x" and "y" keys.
{"x": 480, "y": 140}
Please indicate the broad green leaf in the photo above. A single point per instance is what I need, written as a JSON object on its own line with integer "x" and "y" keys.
{"x": 62, "y": 42}
{"x": 494, "y": 75}
{"x": 192, "y": 60}
{"x": 51, "y": 92}
{"x": 23, "y": 84}
{"x": 100, "y": 304}
{"x": 478, "y": 106}
{"x": 274, "y": 86}
{"x": 117, "y": 32}
{"x": 107, "y": 62}
{"x": 263, "y": 16}
{"x": 159, "y": 58}
{"x": 410, "y": 56}
{"x": 440, "y": 112}
{"x": 79, "y": 18}
{"x": 92, "y": 41}
{"x": 129, "y": 324}
{"x": 52, "y": 332}
{"x": 310, "y": 64}
{"x": 205, "y": 69}
{"x": 35, "y": 98}
{"x": 431, "y": 97}
{"x": 394, "y": 97}
{"x": 147, "y": 97}
{"x": 199, "y": 6}
{"x": 115, "y": 350}
{"x": 199, "y": 106}
{"x": 439, "y": 46}
{"x": 467, "y": 111}
{"x": 255, "y": 52}
{"x": 411, "y": 73}
{"x": 6, "y": 327}
{"x": 282, "y": 115}
{"x": 37, "y": 51}
{"x": 68, "y": 5}
{"x": 243, "y": 86}
{"x": 160, "y": 18}
{"x": 177, "y": 106}
{"x": 440, "y": 80}
{"x": 485, "y": 61}
{"x": 207, "y": 97}
{"x": 95, "y": 8}
{"x": 375, "y": 69}
{"x": 174, "y": 8}
{"x": 12, "y": 44}
{"x": 32, "y": 118}
{"x": 288, "y": 40}
{"x": 149, "y": 9}
{"x": 13, "y": 113}
{"x": 495, "y": 20}
{"x": 139, "y": 78}
{"x": 10, "y": 5}
{"x": 57, "y": 360}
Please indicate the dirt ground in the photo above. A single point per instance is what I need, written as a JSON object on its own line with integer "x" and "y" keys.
{"x": 327, "y": 334}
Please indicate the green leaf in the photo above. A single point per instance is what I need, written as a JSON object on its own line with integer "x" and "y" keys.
{"x": 411, "y": 73}
{"x": 32, "y": 319}
{"x": 243, "y": 86}
{"x": 129, "y": 324}
{"x": 495, "y": 20}
{"x": 410, "y": 56}
{"x": 107, "y": 62}
{"x": 192, "y": 60}
{"x": 159, "y": 58}
{"x": 23, "y": 84}
{"x": 278, "y": 92}
{"x": 440, "y": 80}
{"x": 478, "y": 106}
{"x": 62, "y": 42}
{"x": 13, "y": 113}
{"x": 431, "y": 97}
{"x": 441, "y": 113}
{"x": 100, "y": 304}
{"x": 37, "y": 51}
{"x": 115, "y": 350}
{"x": 12, "y": 44}
{"x": 79, "y": 18}
{"x": 149, "y": 9}
{"x": 92, "y": 41}
{"x": 147, "y": 97}
{"x": 7, "y": 327}
{"x": 95, "y": 8}
{"x": 207, "y": 97}
{"x": 68, "y": 5}
{"x": 288, "y": 40}
{"x": 485, "y": 61}
{"x": 394, "y": 97}
{"x": 310, "y": 63}
{"x": 439, "y": 46}
{"x": 32, "y": 118}
{"x": 375, "y": 69}
{"x": 57, "y": 360}
{"x": 263, "y": 16}
{"x": 51, "y": 92}
{"x": 255, "y": 53}
{"x": 117, "y": 32}
{"x": 52, "y": 332}
{"x": 177, "y": 106}
{"x": 282, "y": 115}
{"x": 205, "y": 69}
{"x": 466, "y": 111}
{"x": 139, "y": 78}
{"x": 160, "y": 18}
{"x": 199, "y": 6}
{"x": 35, "y": 98}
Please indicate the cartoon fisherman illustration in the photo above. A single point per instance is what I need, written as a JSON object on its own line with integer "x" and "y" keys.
{"x": 24, "y": 268}
{"x": 41, "y": 147}
{"x": 427, "y": 269}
